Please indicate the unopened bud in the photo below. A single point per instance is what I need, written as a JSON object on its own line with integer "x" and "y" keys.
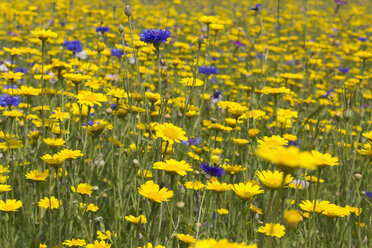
{"x": 201, "y": 39}
{"x": 121, "y": 28}
{"x": 357, "y": 176}
{"x": 348, "y": 114}
{"x": 128, "y": 10}
{"x": 180, "y": 205}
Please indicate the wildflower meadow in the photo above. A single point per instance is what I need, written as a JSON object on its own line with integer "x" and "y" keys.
{"x": 185, "y": 124}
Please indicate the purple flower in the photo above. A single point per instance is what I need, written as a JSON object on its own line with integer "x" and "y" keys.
{"x": 238, "y": 43}
{"x": 8, "y": 100}
{"x": 73, "y": 46}
{"x": 213, "y": 171}
{"x": 340, "y": 2}
{"x": 344, "y": 70}
{"x": 208, "y": 70}
{"x": 217, "y": 95}
{"x": 102, "y": 29}
{"x": 257, "y": 7}
{"x": 368, "y": 194}
{"x": 155, "y": 36}
{"x": 117, "y": 52}
{"x": 326, "y": 95}
{"x": 362, "y": 39}
{"x": 191, "y": 141}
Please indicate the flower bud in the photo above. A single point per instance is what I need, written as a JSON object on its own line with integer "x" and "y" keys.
{"x": 121, "y": 28}
{"x": 357, "y": 176}
{"x": 348, "y": 114}
{"x": 201, "y": 39}
{"x": 128, "y": 11}
{"x": 180, "y": 205}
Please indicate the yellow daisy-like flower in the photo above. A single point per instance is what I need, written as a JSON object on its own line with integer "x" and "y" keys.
{"x": 253, "y": 133}
{"x": 10, "y": 205}
{"x": 173, "y": 167}
{"x": 287, "y": 158}
{"x": 98, "y": 244}
{"x": 240, "y": 142}
{"x": 323, "y": 160}
{"x": 219, "y": 127}
{"x": 222, "y": 211}
{"x": 52, "y": 203}
{"x": 74, "y": 242}
{"x": 272, "y": 230}
{"x": 38, "y": 176}
{"x": 333, "y": 210}
{"x": 292, "y": 218}
{"x": 169, "y": 132}
{"x": 368, "y": 135}
{"x": 309, "y": 206}
{"x": 67, "y": 154}
{"x": 152, "y": 191}
{"x": 59, "y": 115}
{"x": 89, "y": 98}
{"x": 233, "y": 169}
{"x": 29, "y": 91}
{"x": 212, "y": 243}
{"x": 186, "y": 238}
{"x": 273, "y": 180}
{"x": 5, "y": 188}
{"x": 218, "y": 187}
{"x": 190, "y": 80}
{"x": 54, "y": 160}
{"x": 43, "y": 34}
{"x": 83, "y": 189}
{"x": 246, "y": 191}
{"x": 272, "y": 142}
{"x": 144, "y": 173}
{"x": 136, "y": 220}
{"x": 194, "y": 185}
{"x": 89, "y": 208}
{"x": 54, "y": 142}
{"x": 76, "y": 78}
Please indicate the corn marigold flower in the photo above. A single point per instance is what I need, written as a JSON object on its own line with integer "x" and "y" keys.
{"x": 212, "y": 243}
{"x": 272, "y": 230}
{"x": 222, "y": 211}
{"x": 233, "y": 169}
{"x": 186, "y": 238}
{"x": 215, "y": 186}
{"x": 49, "y": 203}
{"x": 98, "y": 244}
{"x": 253, "y": 133}
{"x": 272, "y": 142}
{"x": 333, "y": 210}
{"x": 54, "y": 142}
{"x": 246, "y": 191}
{"x": 173, "y": 167}
{"x": 189, "y": 81}
{"x": 292, "y": 218}
{"x": 68, "y": 154}
{"x": 89, "y": 208}
{"x": 196, "y": 185}
{"x": 83, "y": 189}
{"x": 309, "y": 206}
{"x": 169, "y": 132}
{"x": 136, "y": 220}
{"x": 5, "y": 188}
{"x": 43, "y": 34}
{"x": 155, "y": 36}
{"x": 74, "y": 242}
{"x": 154, "y": 193}
{"x": 38, "y": 176}
{"x": 10, "y": 205}
{"x": 323, "y": 160}
{"x": 274, "y": 180}
{"x": 55, "y": 160}
{"x": 149, "y": 245}
{"x": 105, "y": 235}
{"x": 90, "y": 98}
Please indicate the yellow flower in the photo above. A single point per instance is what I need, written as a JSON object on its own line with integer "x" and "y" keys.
{"x": 240, "y": 142}
{"x": 354, "y": 210}
{"x": 74, "y": 242}
{"x": 273, "y": 180}
{"x": 83, "y": 189}
{"x": 59, "y": 115}
{"x": 76, "y": 78}
{"x": 218, "y": 187}
{"x": 152, "y": 191}
{"x": 273, "y": 141}
{"x": 137, "y": 220}
{"x": 194, "y": 185}
{"x": 323, "y": 160}
{"x": 212, "y": 243}
{"x": 186, "y": 238}
{"x": 54, "y": 142}
{"x": 29, "y": 91}
{"x": 89, "y": 98}
{"x": 173, "y": 167}
{"x": 54, "y": 160}
{"x": 309, "y": 206}
{"x": 10, "y": 205}
{"x": 253, "y": 133}
{"x": 287, "y": 158}
{"x": 233, "y": 169}
{"x": 144, "y": 173}
{"x": 67, "y": 154}
{"x": 272, "y": 230}
{"x": 274, "y": 91}
{"x": 12, "y": 76}
{"x": 368, "y": 135}
{"x": 51, "y": 203}
{"x": 89, "y": 208}
{"x": 169, "y": 132}
{"x": 246, "y": 191}
{"x": 222, "y": 211}
{"x": 43, "y": 34}
{"x": 98, "y": 244}
{"x": 190, "y": 80}
{"x": 36, "y": 175}
{"x": 292, "y": 218}
{"x": 333, "y": 210}
{"x": 4, "y": 188}
{"x": 105, "y": 235}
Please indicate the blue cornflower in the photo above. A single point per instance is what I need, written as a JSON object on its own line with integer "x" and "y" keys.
{"x": 113, "y": 106}
{"x": 326, "y": 95}
{"x": 208, "y": 70}
{"x": 8, "y": 100}
{"x": 295, "y": 143}
{"x": 102, "y": 29}
{"x": 117, "y": 52}
{"x": 73, "y": 46}
{"x": 344, "y": 70}
{"x": 362, "y": 39}
{"x": 217, "y": 95}
{"x": 257, "y": 7}
{"x": 213, "y": 171}
{"x": 155, "y": 36}
{"x": 191, "y": 141}
{"x": 368, "y": 194}
{"x": 23, "y": 70}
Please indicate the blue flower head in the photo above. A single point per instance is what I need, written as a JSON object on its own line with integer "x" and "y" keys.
{"x": 191, "y": 141}
{"x": 213, "y": 171}
{"x": 155, "y": 36}
{"x": 208, "y": 70}
{"x": 73, "y": 46}
{"x": 8, "y": 100}
{"x": 257, "y": 7}
{"x": 362, "y": 39}
{"x": 344, "y": 70}
{"x": 117, "y": 52}
{"x": 102, "y": 29}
